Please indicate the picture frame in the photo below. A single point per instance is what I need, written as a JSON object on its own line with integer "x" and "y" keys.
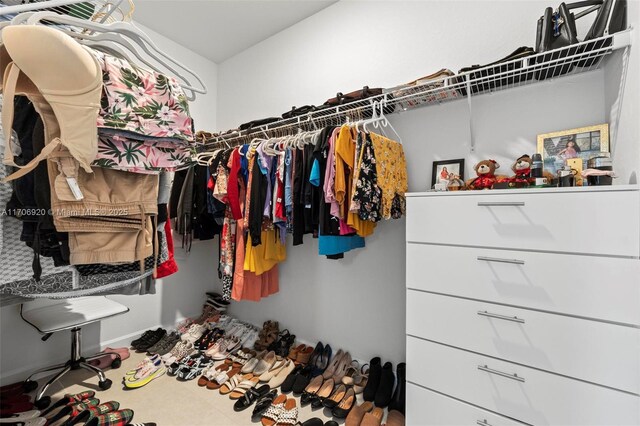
{"x": 453, "y": 169}
{"x": 587, "y": 141}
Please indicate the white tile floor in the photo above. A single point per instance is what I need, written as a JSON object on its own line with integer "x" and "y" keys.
{"x": 168, "y": 401}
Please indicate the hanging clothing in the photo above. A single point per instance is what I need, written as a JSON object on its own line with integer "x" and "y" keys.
{"x": 391, "y": 169}
{"x": 368, "y": 195}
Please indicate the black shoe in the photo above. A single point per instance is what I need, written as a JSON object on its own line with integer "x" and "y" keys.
{"x": 151, "y": 340}
{"x": 144, "y": 337}
{"x": 302, "y": 381}
{"x": 335, "y": 398}
{"x": 398, "y": 400}
{"x": 317, "y": 353}
{"x": 203, "y": 341}
{"x": 287, "y": 385}
{"x": 341, "y": 410}
{"x": 375, "y": 370}
{"x": 385, "y": 389}
{"x": 323, "y": 361}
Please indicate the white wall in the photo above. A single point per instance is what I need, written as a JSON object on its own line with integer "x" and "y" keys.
{"x": 358, "y": 303}
{"x": 178, "y": 296}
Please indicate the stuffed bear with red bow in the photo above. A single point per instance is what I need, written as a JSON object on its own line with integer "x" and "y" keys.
{"x": 486, "y": 171}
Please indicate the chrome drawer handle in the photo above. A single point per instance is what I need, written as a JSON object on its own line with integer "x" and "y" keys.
{"x": 483, "y": 422}
{"x": 500, "y": 373}
{"x": 500, "y": 204}
{"x": 502, "y": 317}
{"x": 500, "y": 260}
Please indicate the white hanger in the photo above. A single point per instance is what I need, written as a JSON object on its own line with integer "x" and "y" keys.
{"x": 124, "y": 29}
{"x": 385, "y": 123}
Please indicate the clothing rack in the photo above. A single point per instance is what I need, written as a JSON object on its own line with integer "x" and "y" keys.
{"x": 541, "y": 67}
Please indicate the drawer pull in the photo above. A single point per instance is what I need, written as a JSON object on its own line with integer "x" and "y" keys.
{"x": 483, "y": 422}
{"x": 500, "y": 204}
{"x": 502, "y": 317}
{"x": 500, "y": 260}
{"x": 500, "y": 373}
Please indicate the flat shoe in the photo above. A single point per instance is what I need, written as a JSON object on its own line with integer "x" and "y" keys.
{"x": 357, "y": 414}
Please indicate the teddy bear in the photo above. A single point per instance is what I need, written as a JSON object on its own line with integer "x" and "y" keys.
{"x": 522, "y": 170}
{"x": 486, "y": 171}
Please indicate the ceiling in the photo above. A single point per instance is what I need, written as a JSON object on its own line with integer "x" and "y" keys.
{"x": 220, "y": 29}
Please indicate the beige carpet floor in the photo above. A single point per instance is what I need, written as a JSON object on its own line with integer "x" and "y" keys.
{"x": 166, "y": 400}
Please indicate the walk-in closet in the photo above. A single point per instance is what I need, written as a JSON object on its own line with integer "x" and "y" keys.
{"x": 319, "y": 212}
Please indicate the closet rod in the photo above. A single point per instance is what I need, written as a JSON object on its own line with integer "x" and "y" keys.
{"x": 541, "y": 67}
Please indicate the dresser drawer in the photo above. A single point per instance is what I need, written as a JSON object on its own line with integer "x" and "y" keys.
{"x": 588, "y": 286}
{"x": 578, "y": 222}
{"x": 522, "y": 393}
{"x": 594, "y": 351}
{"x": 427, "y": 408}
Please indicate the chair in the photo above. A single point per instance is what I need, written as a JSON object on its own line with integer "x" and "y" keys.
{"x": 49, "y": 316}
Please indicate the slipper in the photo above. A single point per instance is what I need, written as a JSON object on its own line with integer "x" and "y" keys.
{"x": 68, "y": 399}
{"x": 233, "y": 380}
{"x": 289, "y": 415}
{"x": 395, "y": 418}
{"x": 357, "y": 414}
{"x": 222, "y": 378}
{"x": 263, "y": 403}
{"x": 245, "y": 385}
{"x": 374, "y": 418}
{"x": 251, "y": 396}
{"x": 123, "y": 352}
{"x": 271, "y": 416}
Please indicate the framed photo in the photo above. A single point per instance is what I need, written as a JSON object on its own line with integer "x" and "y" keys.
{"x": 583, "y": 143}
{"x": 446, "y": 170}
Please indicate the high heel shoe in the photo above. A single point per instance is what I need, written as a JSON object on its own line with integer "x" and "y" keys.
{"x": 323, "y": 361}
{"x": 336, "y": 396}
{"x": 348, "y": 401}
{"x": 342, "y": 367}
{"x": 331, "y": 369}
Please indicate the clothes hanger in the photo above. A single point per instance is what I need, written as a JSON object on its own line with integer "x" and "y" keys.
{"x": 386, "y": 123}
{"x": 126, "y": 29}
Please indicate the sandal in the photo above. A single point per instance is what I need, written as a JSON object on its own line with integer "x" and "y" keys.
{"x": 295, "y": 350}
{"x": 304, "y": 355}
{"x": 263, "y": 403}
{"x": 251, "y": 396}
{"x": 233, "y": 383}
{"x": 360, "y": 382}
{"x": 352, "y": 373}
{"x": 271, "y": 416}
{"x": 289, "y": 415}
{"x": 250, "y": 381}
{"x": 222, "y": 378}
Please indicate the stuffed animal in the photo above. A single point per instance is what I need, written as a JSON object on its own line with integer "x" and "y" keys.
{"x": 486, "y": 171}
{"x": 522, "y": 170}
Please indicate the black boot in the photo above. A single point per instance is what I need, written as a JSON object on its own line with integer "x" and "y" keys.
{"x": 375, "y": 370}
{"x": 399, "y": 396}
{"x": 385, "y": 389}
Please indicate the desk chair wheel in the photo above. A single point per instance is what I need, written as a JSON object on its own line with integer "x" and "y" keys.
{"x": 30, "y": 386}
{"x": 116, "y": 363}
{"x": 105, "y": 385}
{"x": 42, "y": 403}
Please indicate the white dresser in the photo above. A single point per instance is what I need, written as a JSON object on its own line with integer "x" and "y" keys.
{"x": 523, "y": 306}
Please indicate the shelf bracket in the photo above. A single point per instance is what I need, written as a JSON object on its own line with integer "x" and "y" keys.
{"x": 472, "y": 136}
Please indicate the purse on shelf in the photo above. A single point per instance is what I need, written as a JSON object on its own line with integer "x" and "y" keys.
{"x": 482, "y": 79}
{"x": 359, "y": 95}
{"x": 251, "y": 125}
{"x": 557, "y": 29}
{"x": 296, "y": 112}
{"x": 424, "y": 90}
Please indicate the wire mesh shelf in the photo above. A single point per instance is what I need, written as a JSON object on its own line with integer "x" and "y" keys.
{"x": 571, "y": 60}
{"x": 94, "y": 10}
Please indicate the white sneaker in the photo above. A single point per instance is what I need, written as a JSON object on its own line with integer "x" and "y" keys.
{"x": 194, "y": 333}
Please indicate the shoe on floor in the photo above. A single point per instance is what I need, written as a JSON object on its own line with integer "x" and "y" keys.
{"x": 357, "y": 414}
{"x": 115, "y": 418}
{"x": 145, "y": 375}
{"x": 91, "y": 412}
{"x": 395, "y": 418}
{"x": 271, "y": 416}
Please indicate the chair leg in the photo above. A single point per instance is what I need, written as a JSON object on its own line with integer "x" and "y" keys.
{"x": 96, "y": 370}
{"x": 45, "y": 370}
{"x": 42, "y": 391}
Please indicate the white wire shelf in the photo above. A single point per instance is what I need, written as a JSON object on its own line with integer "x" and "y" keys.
{"x": 94, "y": 10}
{"x": 575, "y": 59}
